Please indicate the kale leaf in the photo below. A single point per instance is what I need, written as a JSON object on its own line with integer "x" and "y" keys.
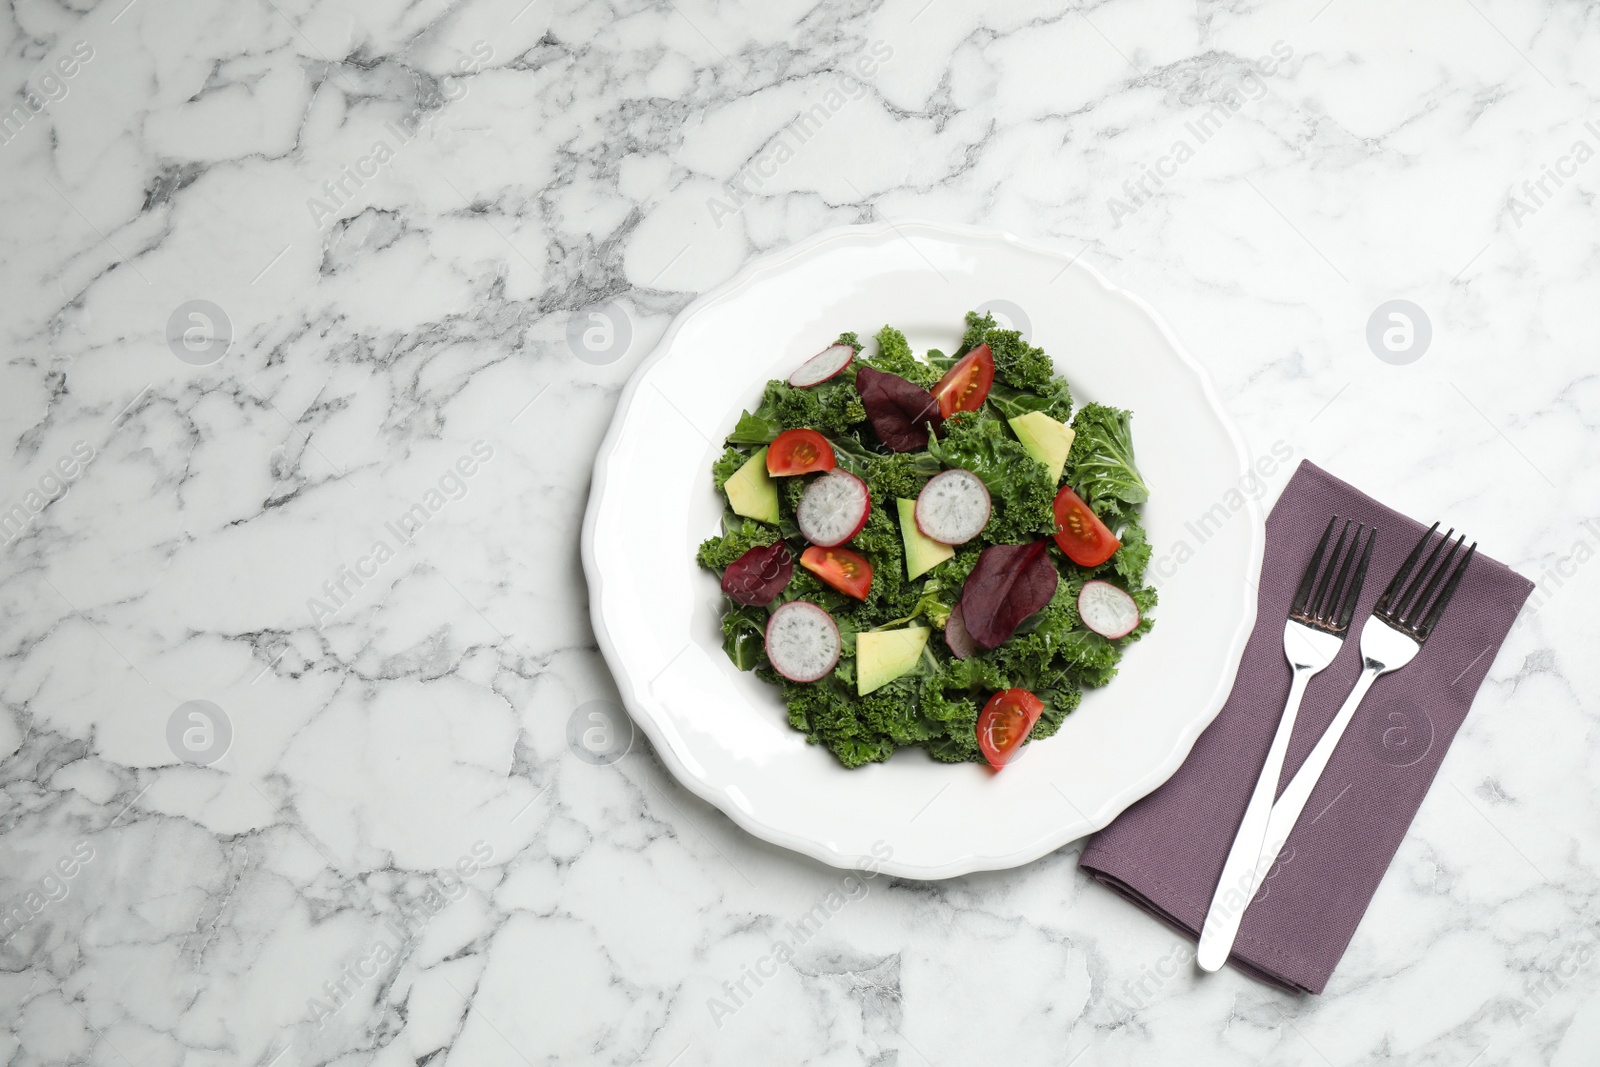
{"x": 895, "y": 357}
{"x": 739, "y": 535}
{"x": 726, "y": 466}
{"x": 1100, "y": 465}
{"x": 830, "y": 408}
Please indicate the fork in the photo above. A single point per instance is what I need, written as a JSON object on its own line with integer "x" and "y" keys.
{"x": 1400, "y": 624}
{"x": 1319, "y": 620}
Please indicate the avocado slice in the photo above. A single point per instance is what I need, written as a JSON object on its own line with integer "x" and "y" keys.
{"x": 751, "y": 490}
{"x": 1046, "y": 440}
{"x": 884, "y": 655}
{"x": 923, "y": 553}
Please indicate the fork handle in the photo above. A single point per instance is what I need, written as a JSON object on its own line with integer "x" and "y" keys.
{"x": 1287, "y": 811}
{"x": 1241, "y": 873}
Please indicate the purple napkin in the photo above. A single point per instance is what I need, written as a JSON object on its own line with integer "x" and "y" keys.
{"x": 1165, "y": 853}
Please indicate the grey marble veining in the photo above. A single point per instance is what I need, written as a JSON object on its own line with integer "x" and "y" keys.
{"x": 370, "y": 842}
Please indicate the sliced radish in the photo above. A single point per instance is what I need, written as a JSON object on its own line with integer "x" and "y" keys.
{"x": 822, "y": 366}
{"x": 956, "y": 636}
{"x": 953, "y": 507}
{"x": 802, "y": 641}
{"x": 1107, "y": 610}
{"x": 834, "y": 509}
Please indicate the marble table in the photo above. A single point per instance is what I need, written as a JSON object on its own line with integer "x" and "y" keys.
{"x": 313, "y": 315}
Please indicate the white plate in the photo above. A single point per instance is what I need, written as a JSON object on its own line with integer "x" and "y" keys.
{"x": 723, "y": 732}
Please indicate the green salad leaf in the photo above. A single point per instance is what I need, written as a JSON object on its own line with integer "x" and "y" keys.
{"x": 894, "y": 356}
{"x": 744, "y": 633}
{"x": 1100, "y": 465}
{"x": 935, "y": 704}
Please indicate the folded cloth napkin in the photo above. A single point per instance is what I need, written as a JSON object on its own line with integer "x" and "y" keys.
{"x": 1165, "y": 853}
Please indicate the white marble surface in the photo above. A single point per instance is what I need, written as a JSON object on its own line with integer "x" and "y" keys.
{"x": 249, "y": 911}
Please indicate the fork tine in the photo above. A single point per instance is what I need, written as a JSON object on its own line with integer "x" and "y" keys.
{"x": 1408, "y": 599}
{"x": 1353, "y": 594}
{"x": 1418, "y": 608}
{"x": 1336, "y": 591}
{"x": 1447, "y": 592}
{"x": 1398, "y": 581}
{"x": 1325, "y": 587}
{"x": 1302, "y": 597}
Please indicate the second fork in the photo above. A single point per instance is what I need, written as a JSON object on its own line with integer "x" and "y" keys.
{"x": 1401, "y": 622}
{"x": 1318, "y": 621}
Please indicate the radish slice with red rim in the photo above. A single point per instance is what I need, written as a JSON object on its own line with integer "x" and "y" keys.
{"x": 953, "y": 507}
{"x": 802, "y": 641}
{"x": 834, "y": 509}
{"x": 1107, "y": 610}
{"x": 822, "y": 366}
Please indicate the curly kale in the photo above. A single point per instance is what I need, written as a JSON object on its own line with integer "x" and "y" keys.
{"x": 899, "y": 475}
{"x": 831, "y": 408}
{"x": 894, "y": 599}
{"x": 726, "y": 466}
{"x": 1100, "y": 465}
{"x": 895, "y": 357}
{"x": 829, "y": 713}
{"x": 1132, "y": 559}
{"x": 790, "y": 490}
{"x": 1058, "y": 704}
{"x": 739, "y": 535}
{"x": 936, "y": 704}
{"x": 1019, "y": 366}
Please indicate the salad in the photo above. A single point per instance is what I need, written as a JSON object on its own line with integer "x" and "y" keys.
{"x": 935, "y": 552}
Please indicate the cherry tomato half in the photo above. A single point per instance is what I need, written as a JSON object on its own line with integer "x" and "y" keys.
{"x": 1080, "y": 533}
{"x": 1005, "y": 722}
{"x": 800, "y": 452}
{"x": 841, "y": 568}
{"x": 965, "y": 386}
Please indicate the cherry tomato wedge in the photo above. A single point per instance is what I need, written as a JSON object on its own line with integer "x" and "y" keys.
{"x": 965, "y": 386}
{"x": 1005, "y": 722}
{"x": 1080, "y": 533}
{"x": 841, "y": 568}
{"x": 800, "y": 452}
